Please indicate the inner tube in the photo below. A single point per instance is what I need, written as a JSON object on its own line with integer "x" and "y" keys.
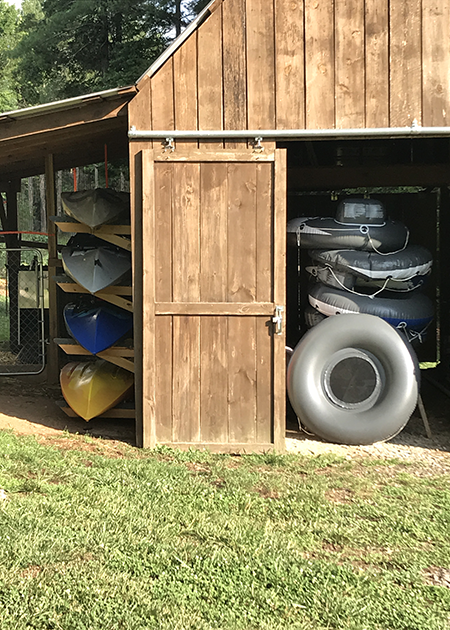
{"x": 312, "y": 316}
{"x": 412, "y": 312}
{"x": 328, "y": 233}
{"x": 353, "y": 380}
{"x": 402, "y": 271}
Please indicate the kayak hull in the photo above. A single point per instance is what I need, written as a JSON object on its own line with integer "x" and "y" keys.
{"x": 97, "y": 207}
{"x": 96, "y": 325}
{"x": 95, "y": 264}
{"x": 91, "y": 388}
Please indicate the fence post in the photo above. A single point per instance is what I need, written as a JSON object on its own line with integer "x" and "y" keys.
{"x": 52, "y": 349}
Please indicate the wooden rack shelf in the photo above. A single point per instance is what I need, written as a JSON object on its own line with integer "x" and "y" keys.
{"x": 115, "y": 234}
{"x": 124, "y": 410}
{"x": 123, "y": 355}
{"x": 113, "y": 294}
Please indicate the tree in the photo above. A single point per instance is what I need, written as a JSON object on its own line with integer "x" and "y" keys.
{"x": 9, "y": 19}
{"x": 178, "y": 13}
{"x": 76, "y": 46}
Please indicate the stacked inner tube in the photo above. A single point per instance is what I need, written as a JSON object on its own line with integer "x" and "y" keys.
{"x": 354, "y": 379}
{"x": 363, "y": 263}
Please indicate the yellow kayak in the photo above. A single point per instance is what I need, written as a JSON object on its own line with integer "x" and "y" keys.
{"x": 91, "y": 388}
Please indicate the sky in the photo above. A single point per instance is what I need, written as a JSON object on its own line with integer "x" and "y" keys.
{"x": 18, "y": 3}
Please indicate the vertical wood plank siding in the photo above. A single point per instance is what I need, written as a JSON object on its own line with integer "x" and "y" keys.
{"x": 377, "y": 63}
{"x": 405, "y": 62}
{"x": 436, "y": 65}
{"x": 349, "y": 63}
{"x": 319, "y": 64}
{"x": 288, "y": 64}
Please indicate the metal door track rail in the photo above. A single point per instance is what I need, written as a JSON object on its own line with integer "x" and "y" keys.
{"x": 415, "y": 130}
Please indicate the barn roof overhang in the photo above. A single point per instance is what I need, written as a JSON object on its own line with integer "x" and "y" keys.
{"x": 75, "y": 131}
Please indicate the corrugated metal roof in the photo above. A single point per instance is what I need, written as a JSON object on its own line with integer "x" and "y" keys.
{"x": 68, "y": 103}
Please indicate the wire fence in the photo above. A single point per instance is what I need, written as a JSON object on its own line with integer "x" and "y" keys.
{"x": 23, "y": 306}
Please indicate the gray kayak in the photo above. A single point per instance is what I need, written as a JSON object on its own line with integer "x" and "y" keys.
{"x": 95, "y": 264}
{"x": 98, "y": 206}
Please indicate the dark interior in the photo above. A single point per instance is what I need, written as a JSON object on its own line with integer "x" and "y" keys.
{"x": 410, "y": 176}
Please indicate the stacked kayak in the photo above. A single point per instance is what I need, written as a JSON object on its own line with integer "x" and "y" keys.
{"x": 95, "y": 324}
{"x": 95, "y": 264}
{"x": 97, "y": 207}
{"x": 94, "y": 386}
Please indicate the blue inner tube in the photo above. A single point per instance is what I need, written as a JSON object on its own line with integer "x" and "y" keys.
{"x": 327, "y": 233}
{"x": 412, "y": 311}
{"x": 402, "y": 271}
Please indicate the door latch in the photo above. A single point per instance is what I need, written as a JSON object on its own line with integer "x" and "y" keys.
{"x": 277, "y": 320}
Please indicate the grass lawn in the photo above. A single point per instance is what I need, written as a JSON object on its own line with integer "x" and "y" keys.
{"x": 121, "y": 539}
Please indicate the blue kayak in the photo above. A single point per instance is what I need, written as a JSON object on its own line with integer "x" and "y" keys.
{"x": 95, "y": 324}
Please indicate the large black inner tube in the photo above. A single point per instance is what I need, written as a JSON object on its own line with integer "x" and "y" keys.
{"x": 353, "y": 380}
{"x": 327, "y": 233}
{"x": 402, "y": 271}
{"x": 412, "y": 310}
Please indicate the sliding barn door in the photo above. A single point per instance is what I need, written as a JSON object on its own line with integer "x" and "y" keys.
{"x": 213, "y": 259}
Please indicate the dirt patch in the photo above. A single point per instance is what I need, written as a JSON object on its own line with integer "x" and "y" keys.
{"x": 409, "y": 445}
{"x": 31, "y": 572}
{"x": 29, "y": 407}
{"x": 437, "y": 576}
{"x": 267, "y": 493}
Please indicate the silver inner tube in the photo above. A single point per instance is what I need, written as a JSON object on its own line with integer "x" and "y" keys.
{"x": 353, "y": 379}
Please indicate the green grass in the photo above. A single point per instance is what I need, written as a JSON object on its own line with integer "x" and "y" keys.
{"x": 95, "y": 537}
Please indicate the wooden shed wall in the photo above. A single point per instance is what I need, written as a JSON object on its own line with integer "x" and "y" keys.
{"x": 288, "y": 64}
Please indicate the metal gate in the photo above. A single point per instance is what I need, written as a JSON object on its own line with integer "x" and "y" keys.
{"x": 23, "y": 303}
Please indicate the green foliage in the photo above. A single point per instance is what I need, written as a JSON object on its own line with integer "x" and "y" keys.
{"x": 179, "y": 13}
{"x": 78, "y": 46}
{"x": 169, "y": 540}
{"x": 55, "y": 49}
{"x": 9, "y": 18}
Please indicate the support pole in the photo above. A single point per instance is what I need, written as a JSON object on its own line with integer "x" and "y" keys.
{"x": 13, "y": 261}
{"x": 52, "y": 348}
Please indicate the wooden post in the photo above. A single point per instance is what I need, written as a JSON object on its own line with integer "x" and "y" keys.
{"x": 13, "y": 270}
{"x": 52, "y": 349}
{"x": 136, "y": 185}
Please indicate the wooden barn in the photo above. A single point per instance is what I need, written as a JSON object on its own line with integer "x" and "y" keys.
{"x": 260, "y": 111}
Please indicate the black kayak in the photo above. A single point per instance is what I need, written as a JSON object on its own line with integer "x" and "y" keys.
{"x": 94, "y": 263}
{"x": 98, "y": 206}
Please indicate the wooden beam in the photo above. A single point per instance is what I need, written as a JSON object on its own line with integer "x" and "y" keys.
{"x": 53, "y": 263}
{"x": 300, "y": 178}
{"x": 228, "y": 309}
{"x": 35, "y": 125}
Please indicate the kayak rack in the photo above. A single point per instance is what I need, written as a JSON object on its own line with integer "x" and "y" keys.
{"x": 113, "y": 294}
{"x": 122, "y": 355}
{"x": 118, "y": 235}
{"x": 123, "y": 410}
